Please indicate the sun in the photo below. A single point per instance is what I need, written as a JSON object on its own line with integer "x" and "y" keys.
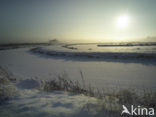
{"x": 123, "y": 21}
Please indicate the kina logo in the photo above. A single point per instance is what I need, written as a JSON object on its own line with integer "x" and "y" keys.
{"x": 137, "y": 110}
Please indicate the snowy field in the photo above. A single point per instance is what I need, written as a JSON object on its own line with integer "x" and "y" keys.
{"x": 33, "y": 103}
{"x": 100, "y": 73}
{"x": 31, "y": 65}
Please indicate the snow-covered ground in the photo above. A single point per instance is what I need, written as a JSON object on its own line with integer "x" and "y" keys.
{"x": 34, "y": 103}
{"x": 144, "y": 48}
{"x": 26, "y": 98}
{"x": 30, "y": 68}
{"x": 24, "y": 64}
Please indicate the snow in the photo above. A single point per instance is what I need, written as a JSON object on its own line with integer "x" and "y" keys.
{"x": 100, "y": 74}
{"x": 30, "y": 69}
{"x": 27, "y": 99}
{"x": 34, "y": 103}
{"x": 92, "y": 52}
{"x": 28, "y": 84}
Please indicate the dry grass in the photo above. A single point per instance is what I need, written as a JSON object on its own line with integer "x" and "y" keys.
{"x": 125, "y": 96}
{"x": 108, "y": 101}
{"x": 7, "y": 90}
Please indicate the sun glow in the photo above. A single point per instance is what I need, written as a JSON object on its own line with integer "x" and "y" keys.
{"x": 122, "y": 21}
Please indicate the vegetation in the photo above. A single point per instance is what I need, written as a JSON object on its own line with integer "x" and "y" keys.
{"x": 7, "y": 90}
{"x": 109, "y": 102}
{"x": 125, "y": 96}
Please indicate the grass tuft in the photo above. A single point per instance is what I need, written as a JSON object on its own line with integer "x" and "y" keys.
{"x": 125, "y": 96}
{"x": 7, "y": 90}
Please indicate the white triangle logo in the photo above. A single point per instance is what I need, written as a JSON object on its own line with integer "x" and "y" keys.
{"x": 125, "y": 110}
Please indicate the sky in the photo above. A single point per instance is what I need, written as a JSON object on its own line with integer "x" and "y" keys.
{"x": 77, "y": 20}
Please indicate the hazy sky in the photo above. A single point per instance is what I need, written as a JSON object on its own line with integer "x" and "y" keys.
{"x": 85, "y": 20}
